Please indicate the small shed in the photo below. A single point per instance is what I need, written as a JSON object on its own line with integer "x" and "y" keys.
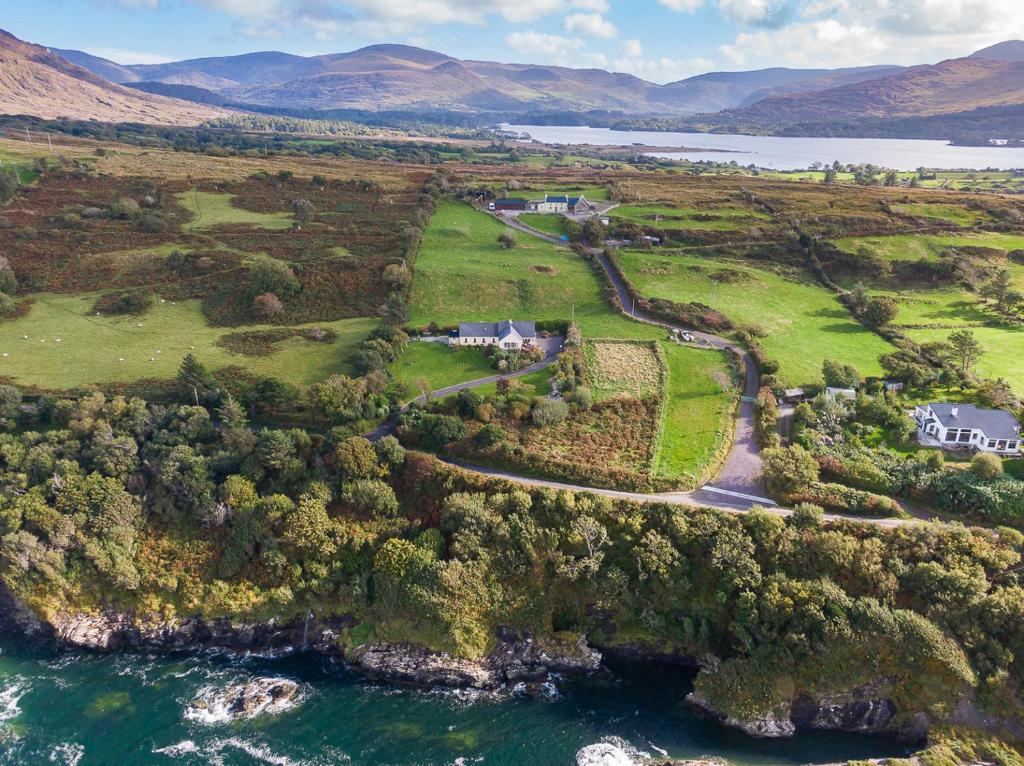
{"x": 794, "y": 395}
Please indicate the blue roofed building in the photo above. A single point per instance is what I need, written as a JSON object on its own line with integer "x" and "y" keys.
{"x": 509, "y": 334}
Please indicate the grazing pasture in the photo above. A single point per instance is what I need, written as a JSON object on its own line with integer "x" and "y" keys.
{"x": 68, "y": 345}
{"x": 668, "y": 217}
{"x": 128, "y": 228}
{"x": 799, "y": 323}
{"x": 464, "y": 275}
{"x": 209, "y": 210}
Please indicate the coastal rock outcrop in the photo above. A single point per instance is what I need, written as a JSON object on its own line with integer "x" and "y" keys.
{"x": 518, "y": 658}
{"x": 248, "y": 700}
{"x": 864, "y": 710}
{"x": 775, "y": 723}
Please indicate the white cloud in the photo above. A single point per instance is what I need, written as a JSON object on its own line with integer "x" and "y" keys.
{"x": 833, "y": 33}
{"x": 662, "y": 69}
{"x": 746, "y": 11}
{"x": 683, "y": 6}
{"x": 532, "y": 44}
{"x": 592, "y": 24}
{"x": 121, "y": 56}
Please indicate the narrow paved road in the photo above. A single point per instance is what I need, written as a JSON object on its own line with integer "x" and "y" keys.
{"x": 689, "y": 499}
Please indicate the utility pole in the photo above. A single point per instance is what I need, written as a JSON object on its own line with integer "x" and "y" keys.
{"x": 28, "y": 136}
{"x": 49, "y": 143}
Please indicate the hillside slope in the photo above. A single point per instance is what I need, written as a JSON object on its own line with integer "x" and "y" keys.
{"x": 35, "y": 81}
{"x": 954, "y": 86}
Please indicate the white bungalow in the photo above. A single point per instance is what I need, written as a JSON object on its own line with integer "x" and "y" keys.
{"x": 964, "y": 426}
{"x": 509, "y": 334}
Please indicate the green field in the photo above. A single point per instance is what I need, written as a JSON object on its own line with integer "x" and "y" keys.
{"x": 68, "y": 345}
{"x": 548, "y": 223}
{"x": 913, "y": 247}
{"x": 664, "y": 216}
{"x": 957, "y": 214}
{"x": 463, "y": 275}
{"x": 945, "y": 307}
{"x": 209, "y": 210}
{"x": 440, "y": 365}
{"x": 697, "y": 418}
{"x": 802, "y": 324}
{"x": 1003, "y": 355}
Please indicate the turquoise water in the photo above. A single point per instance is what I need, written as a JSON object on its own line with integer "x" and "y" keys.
{"x": 126, "y": 709}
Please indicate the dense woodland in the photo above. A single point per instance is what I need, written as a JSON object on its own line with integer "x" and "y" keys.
{"x": 172, "y": 509}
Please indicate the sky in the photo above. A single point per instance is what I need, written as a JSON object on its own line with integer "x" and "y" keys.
{"x": 658, "y": 40}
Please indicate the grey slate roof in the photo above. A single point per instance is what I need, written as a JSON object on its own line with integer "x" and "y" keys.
{"x": 497, "y": 329}
{"x": 557, "y": 198}
{"x": 995, "y": 424}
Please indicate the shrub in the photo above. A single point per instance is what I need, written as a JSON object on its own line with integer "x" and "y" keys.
{"x": 269, "y": 275}
{"x": 808, "y": 515}
{"x": 303, "y": 210}
{"x": 355, "y": 458}
{"x": 489, "y": 436}
{"x": 119, "y": 304}
{"x": 267, "y": 306}
{"x": 789, "y": 470}
{"x": 549, "y": 412}
{"x": 880, "y": 311}
{"x": 506, "y": 240}
{"x": 985, "y": 465}
{"x": 8, "y": 282}
{"x": 441, "y": 430}
{"x": 371, "y": 496}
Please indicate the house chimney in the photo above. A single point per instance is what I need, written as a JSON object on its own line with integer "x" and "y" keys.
{"x": 953, "y": 412}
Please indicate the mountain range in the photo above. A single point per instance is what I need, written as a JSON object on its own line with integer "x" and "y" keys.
{"x": 383, "y": 77}
{"x": 401, "y": 78}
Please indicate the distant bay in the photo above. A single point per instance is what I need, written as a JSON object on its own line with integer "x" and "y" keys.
{"x": 785, "y": 153}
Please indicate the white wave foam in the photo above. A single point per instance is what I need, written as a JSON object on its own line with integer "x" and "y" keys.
{"x": 611, "y": 751}
{"x": 9, "y": 699}
{"x": 185, "y": 747}
{"x": 213, "y": 752}
{"x": 67, "y": 753}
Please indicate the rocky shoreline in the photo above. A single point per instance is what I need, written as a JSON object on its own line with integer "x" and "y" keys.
{"x": 520, "y": 663}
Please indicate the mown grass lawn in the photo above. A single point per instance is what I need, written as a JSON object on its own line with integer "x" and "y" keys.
{"x": 697, "y": 420}
{"x": 439, "y": 365}
{"x": 548, "y": 223}
{"x": 802, "y": 324}
{"x": 209, "y": 210}
{"x": 463, "y": 275}
{"x": 91, "y": 347}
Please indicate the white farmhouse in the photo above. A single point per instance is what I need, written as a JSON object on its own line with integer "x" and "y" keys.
{"x": 509, "y": 334}
{"x": 964, "y": 426}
